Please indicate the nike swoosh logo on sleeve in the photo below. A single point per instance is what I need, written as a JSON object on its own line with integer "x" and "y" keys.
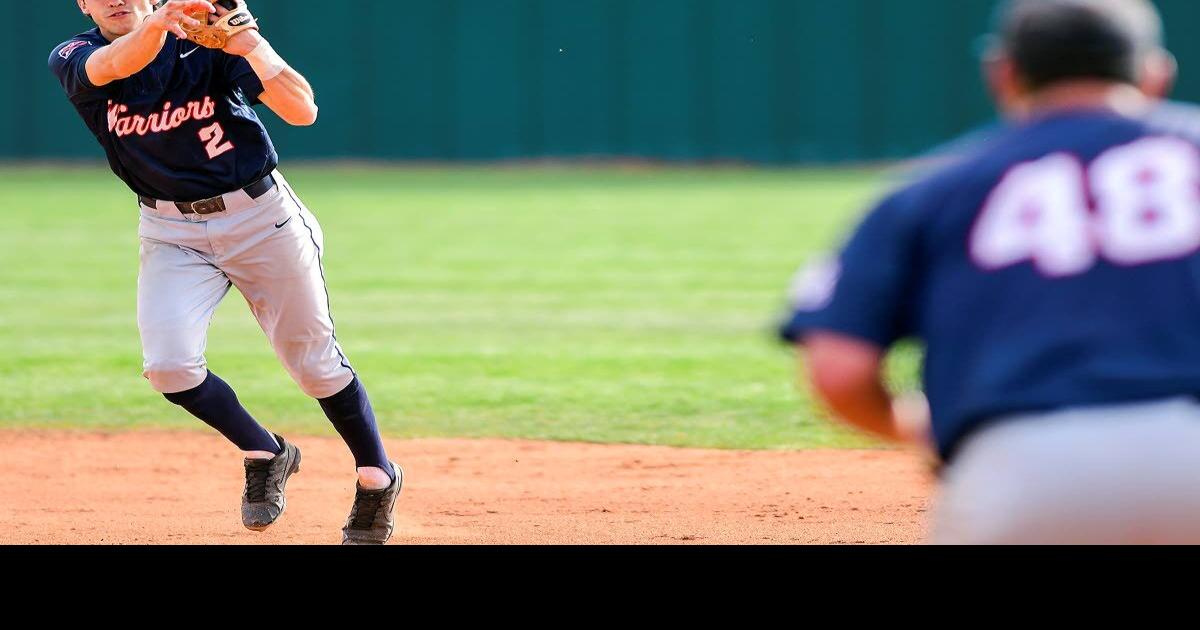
{"x": 285, "y": 222}
{"x": 185, "y": 55}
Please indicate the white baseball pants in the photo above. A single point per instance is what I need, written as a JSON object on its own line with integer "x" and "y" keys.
{"x": 1117, "y": 474}
{"x": 269, "y": 248}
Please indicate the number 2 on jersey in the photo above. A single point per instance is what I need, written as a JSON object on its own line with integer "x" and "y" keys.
{"x": 213, "y": 134}
{"x": 1146, "y": 199}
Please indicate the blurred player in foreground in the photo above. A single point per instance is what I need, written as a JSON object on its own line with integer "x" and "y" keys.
{"x": 1052, "y": 275}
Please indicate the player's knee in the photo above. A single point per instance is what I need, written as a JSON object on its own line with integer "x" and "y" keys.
{"x": 171, "y": 376}
{"x": 322, "y": 384}
{"x": 317, "y": 367}
{"x": 322, "y": 379}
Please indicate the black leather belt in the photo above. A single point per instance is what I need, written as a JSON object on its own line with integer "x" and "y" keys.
{"x": 215, "y": 204}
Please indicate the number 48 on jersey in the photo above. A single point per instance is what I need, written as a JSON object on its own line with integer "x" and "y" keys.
{"x": 1138, "y": 203}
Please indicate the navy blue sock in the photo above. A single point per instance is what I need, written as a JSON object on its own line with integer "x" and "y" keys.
{"x": 350, "y": 412}
{"x": 215, "y": 403}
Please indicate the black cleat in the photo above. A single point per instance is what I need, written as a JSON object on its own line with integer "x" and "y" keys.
{"x": 263, "y": 500}
{"x": 371, "y": 521}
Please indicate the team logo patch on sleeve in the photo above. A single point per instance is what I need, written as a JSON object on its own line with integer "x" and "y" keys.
{"x": 814, "y": 285}
{"x": 66, "y": 51}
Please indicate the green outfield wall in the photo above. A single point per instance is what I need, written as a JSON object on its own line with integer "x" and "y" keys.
{"x": 774, "y": 81}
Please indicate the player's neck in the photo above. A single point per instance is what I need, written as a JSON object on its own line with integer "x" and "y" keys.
{"x": 1085, "y": 95}
{"x": 107, "y": 34}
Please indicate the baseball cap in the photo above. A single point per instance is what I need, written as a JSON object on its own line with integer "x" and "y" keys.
{"x": 1055, "y": 40}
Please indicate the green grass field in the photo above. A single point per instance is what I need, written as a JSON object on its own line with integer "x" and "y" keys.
{"x": 606, "y": 305}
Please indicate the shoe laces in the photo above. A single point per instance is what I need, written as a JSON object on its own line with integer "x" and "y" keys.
{"x": 258, "y": 474}
{"x": 366, "y": 508}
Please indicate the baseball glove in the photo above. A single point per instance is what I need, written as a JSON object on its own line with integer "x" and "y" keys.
{"x": 216, "y": 31}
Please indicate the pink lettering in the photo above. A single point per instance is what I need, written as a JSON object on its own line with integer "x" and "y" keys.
{"x": 124, "y": 127}
{"x": 166, "y": 120}
{"x": 161, "y": 120}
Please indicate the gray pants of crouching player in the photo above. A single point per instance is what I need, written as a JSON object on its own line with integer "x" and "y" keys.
{"x": 1120, "y": 474}
{"x": 270, "y": 249}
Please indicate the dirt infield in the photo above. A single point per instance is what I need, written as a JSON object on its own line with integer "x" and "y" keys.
{"x": 161, "y": 487}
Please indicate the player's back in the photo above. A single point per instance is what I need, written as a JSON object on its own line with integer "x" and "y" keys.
{"x": 1056, "y": 268}
{"x": 1052, "y": 275}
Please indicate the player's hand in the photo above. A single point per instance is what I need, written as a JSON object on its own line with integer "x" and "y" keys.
{"x": 913, "y": 421}
{"x": 915, "y": 427}
{"x": 172, "y": 16}
{"x": 243, "y": 42}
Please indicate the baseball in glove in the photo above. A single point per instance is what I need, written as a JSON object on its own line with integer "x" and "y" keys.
{"x": 217, "y": 30}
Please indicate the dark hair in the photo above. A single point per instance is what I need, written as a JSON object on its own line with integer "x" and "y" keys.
{"x": 1054, "y": 40}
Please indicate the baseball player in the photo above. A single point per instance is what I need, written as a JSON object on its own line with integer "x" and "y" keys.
{"x": 1052, "y": 276}
{"x": 169, "y": 91}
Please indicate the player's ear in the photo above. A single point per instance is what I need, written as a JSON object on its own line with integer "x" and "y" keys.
{"x": 1004, "y": 82}
{"x": 82, "y": 6}
{"x": 1159, "y": 71}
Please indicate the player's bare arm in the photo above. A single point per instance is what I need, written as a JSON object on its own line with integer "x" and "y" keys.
{"x": 137, "y": 31}
{"x": 848, "y": 376}
{"x": 291, "y": 97}
{"x": 285, "y": 91}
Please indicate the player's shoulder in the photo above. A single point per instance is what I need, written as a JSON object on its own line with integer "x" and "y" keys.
{"x": 1174, "y": 118}
{"x": 81, "y": 42}
{"x": 914, "y": 196}
{"x": 944, "y": 180}
{"x": 980, "y": 157}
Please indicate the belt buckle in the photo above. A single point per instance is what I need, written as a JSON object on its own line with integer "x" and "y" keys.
{"x": 207, "y": 206}
{"x": 190, "y": 217}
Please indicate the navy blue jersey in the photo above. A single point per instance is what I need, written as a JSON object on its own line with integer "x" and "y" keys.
{"x": 182, "y": 129}
{"x": 1055, "y": 267}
